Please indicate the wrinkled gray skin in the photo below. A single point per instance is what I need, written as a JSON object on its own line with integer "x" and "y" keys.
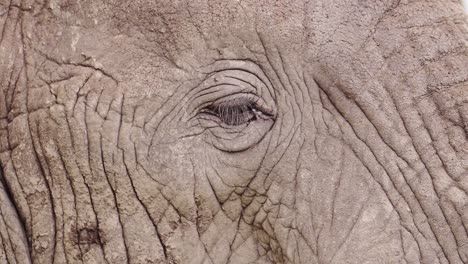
{"x": 233, "y": 131}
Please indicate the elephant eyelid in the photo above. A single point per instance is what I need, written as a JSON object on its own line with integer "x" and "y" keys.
{"x": 237, "y": 111}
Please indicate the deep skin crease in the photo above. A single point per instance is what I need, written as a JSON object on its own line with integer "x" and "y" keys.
{"x": 233, "y": 131}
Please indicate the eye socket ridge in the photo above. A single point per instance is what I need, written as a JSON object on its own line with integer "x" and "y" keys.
{"x": 237, "y": 111}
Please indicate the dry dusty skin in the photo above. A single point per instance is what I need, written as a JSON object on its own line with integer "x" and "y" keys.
{"x": 240, "y": 131}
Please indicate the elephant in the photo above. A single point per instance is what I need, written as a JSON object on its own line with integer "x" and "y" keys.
{"x": 210, "y": 131}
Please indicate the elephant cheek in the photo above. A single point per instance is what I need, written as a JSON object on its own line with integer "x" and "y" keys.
{"x": 328, "y": 205}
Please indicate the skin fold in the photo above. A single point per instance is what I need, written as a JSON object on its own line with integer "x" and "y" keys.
{"x": 233, "y": 131}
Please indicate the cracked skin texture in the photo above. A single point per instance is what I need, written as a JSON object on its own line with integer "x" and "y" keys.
{"x": 233, "y": 131}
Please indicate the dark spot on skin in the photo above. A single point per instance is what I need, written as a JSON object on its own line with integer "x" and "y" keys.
{"x": 173, "y": 224}
{"x": 87, "y": 236}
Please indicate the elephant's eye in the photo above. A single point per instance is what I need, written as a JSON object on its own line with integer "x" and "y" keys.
{"x": 237, "y": 121}
{"x": 232, "y": 110}
{"x": 237, "y": 111}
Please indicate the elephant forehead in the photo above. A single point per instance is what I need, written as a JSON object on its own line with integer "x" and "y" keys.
{"x": 152, "y": 42}
{"x": 159, "y": 41}
{"x": 197, "y": 31}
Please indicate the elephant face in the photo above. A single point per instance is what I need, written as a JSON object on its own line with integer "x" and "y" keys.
{"x": 236, "y": 131}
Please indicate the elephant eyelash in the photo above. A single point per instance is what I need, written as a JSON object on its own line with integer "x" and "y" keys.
{"x": 236, "y": 112}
